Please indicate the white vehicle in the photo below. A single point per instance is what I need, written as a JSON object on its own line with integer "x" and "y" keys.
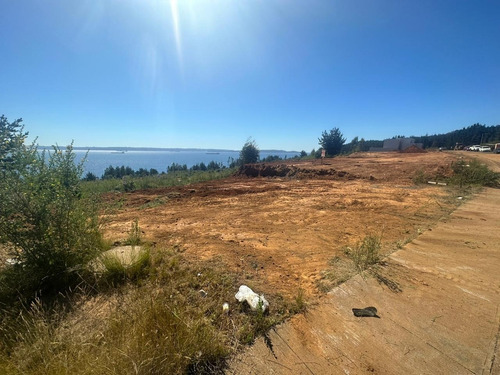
{"x": 484, "y": 149}
{"x": 474, "y": 148}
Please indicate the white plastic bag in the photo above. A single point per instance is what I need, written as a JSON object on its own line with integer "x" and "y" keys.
{"x": 253, "y": 299}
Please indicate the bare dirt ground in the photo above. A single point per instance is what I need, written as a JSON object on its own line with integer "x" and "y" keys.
{"x": 279, "y": 230}
{"x": 445, "y": 318}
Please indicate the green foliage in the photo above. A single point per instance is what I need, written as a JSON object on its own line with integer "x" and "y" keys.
{"x": 177, "y": 167}
{"x": 199, "y": 167}
{"x": 123, "y": 171}
{"x": 90, "y": 177}
{"x": 214, "y": 166}
{"x": 473, "y": 172}
{"x": 332, "y": 141}
{"x": 366, "y": 253}
{"x": 12, "y": 138}
{"x": 50, "y": 228}
{"x": 249, "y": 153}
{"x": 357, "y": 145}
{"x": 271, "y": 158}
{"x": 179, "y": 178}
{"x": 128, "y": 184}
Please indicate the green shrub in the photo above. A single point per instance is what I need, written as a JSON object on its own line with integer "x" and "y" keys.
{"x": 249, "y": 152}
{"x": 50, "y": 227}
{"x": 473, "y": 172}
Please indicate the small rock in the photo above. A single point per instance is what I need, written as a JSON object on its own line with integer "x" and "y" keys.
{"x": 370, "y": 312}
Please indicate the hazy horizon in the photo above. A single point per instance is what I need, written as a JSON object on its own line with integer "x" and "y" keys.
{"x": 139, "y": 148}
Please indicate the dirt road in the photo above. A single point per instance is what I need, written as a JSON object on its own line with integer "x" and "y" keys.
{"x": 445, "y": 319}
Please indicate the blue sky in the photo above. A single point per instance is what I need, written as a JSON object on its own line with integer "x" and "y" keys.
{"x": 211, "y": 73}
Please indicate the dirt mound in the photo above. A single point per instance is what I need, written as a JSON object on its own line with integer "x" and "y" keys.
{"x": 286, "y": 170}
{"x": 414, "y": 150}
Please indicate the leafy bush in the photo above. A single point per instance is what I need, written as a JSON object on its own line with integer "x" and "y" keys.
{"x": 51, "y": 229}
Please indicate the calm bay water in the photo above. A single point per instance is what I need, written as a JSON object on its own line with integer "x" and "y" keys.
{"x": 99, "y": 160}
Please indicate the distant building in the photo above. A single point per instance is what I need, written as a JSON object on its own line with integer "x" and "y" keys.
{"x": 397, "y": 144}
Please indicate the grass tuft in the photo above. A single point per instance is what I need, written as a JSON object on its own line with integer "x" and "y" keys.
{"x": 134, "y": 236}
{"x": 119, "y": 270}
{"x": 366, "y": 253}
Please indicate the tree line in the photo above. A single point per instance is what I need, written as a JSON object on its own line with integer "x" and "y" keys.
{"x": 333, "y": 142}
{"x": 472, "y": 135}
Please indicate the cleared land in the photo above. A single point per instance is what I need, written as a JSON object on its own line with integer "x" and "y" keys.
{"x": 278, "y": 225}
{"x": 443, "y": 319}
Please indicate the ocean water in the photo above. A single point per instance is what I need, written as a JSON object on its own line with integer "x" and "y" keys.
{"x": 98, "y": 160}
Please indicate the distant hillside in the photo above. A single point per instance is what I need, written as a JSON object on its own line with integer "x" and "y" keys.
{"x": 472, "y": 135}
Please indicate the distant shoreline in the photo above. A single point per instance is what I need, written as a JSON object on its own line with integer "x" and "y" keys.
{"x": 171, "y": 149}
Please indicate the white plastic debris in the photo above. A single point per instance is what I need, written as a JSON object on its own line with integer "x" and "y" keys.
{"x": 11, "y": 261}
{"x": 253, "y": 299}
{"x": 225, "y": 308}
{"x": 202, "y": 293}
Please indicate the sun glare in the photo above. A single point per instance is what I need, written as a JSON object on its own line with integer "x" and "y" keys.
{"x": 176, "y": 29}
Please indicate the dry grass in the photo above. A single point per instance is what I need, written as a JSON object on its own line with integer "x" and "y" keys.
{"x": 162, "y": 325}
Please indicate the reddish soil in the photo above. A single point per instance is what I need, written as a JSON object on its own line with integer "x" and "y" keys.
{"x": 443, "y": 318}
{"x": 281, "y": 226}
